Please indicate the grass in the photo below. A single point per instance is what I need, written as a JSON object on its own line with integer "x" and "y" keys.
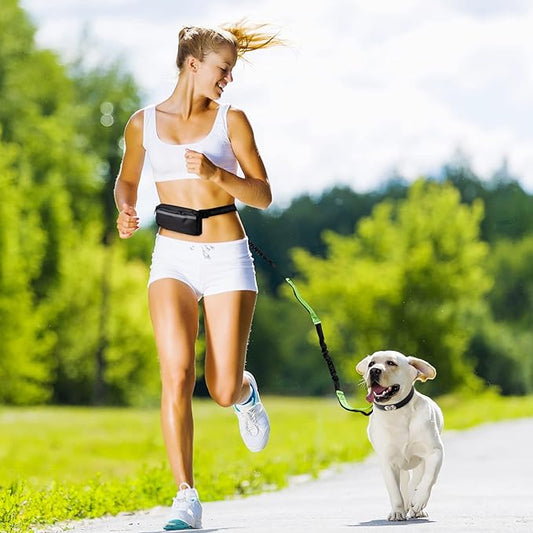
{"x": 67, "y": 463}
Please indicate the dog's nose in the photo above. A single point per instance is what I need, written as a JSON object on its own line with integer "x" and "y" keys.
{"x": 375, "y": 373}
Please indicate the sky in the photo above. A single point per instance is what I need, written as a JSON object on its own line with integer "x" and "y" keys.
{"x": 363, "y": 91}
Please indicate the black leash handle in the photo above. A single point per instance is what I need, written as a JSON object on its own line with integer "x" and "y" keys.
{"x": 341, "y": 397}
{"x": 327, "y": 357}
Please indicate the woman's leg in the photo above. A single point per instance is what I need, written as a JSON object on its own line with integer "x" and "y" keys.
{"x": 228, "y": 319}
{"x": 174, "y": 313}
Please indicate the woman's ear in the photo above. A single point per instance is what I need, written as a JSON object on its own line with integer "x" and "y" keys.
{"x": 192, "y": 63}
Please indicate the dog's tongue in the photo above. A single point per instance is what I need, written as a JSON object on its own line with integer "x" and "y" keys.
{"x": 376, "y": 389}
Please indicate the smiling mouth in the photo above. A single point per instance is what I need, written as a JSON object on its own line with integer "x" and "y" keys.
{"x": 380, "y": 394}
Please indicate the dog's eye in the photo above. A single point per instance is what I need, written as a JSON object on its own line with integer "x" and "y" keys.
{"x": 391, "y": 363}
{"x": 372, "y": 363}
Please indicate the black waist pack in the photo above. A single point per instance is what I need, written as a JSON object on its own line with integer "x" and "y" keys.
{"x": 185, "y": 220}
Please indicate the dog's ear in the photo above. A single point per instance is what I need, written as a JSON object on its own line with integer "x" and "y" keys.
{"x": 363, "y": 365}
{"x": 424, "y": 370}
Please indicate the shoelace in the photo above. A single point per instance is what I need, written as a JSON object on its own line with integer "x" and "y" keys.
{"x": 251, "y": 420}
{"x": 183, "y": 496}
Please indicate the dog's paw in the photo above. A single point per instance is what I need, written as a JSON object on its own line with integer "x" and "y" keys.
{"x": 396, "y": 516}
{"x": 420, "y": 514}
{"x": 418, "y": 503}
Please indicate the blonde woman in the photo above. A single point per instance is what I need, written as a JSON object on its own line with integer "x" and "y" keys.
{"x": 194, "y": 145}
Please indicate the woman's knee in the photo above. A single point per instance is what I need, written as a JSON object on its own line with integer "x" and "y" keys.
{"x": 225, "y": 394}
{"x": 178, "y": 382}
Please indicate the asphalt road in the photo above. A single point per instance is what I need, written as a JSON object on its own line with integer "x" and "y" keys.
{"x": 485, "y": 485}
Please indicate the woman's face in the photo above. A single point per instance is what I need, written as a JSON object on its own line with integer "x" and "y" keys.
{"x": 215, "y": 71}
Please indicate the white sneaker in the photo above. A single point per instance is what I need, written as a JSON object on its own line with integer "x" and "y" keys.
{"x": 186, "y": 510}
{"x": 253, "y": 420}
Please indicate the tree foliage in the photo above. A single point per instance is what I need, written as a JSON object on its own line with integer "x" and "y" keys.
{"x": 410, "y": 278}
{"x": 55, "y": 272}
{"x": 24, "y": 371}
{"x": 502, "y": 342}
{"x": 505, "y": 226}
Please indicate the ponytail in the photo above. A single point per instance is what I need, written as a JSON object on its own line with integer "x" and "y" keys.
{"x": 249, "y": 37}
{"x": 241, "y": 35}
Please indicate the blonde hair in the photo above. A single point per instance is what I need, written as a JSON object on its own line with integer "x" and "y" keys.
{"x": 243, "y": 36}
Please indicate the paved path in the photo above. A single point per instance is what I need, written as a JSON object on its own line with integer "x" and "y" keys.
{"x": 485, "y": 485}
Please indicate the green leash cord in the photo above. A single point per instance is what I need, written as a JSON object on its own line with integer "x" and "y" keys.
{"x": 325, "y": 353}
{"x": 318, "y": 326}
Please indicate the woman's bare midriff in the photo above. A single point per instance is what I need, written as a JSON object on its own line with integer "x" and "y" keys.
{"x": 198, "y": 194}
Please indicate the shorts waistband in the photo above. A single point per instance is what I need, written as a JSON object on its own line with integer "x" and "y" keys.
{"x": 193, "y": 245}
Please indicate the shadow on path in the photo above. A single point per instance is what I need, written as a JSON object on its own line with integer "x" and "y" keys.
{"x": 381, "y": 523}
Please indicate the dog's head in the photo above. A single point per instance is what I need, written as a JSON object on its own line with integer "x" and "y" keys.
{"x": 390, "y": 375}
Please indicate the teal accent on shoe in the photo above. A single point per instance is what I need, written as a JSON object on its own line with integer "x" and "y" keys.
{"x": 176, "y": 525}
{"x": 251, "y": 399}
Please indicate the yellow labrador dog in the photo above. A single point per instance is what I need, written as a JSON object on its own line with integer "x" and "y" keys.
{"x": 404, "y": 429}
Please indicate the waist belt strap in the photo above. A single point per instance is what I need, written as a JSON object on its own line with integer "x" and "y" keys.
{"x": 206, "y": 213}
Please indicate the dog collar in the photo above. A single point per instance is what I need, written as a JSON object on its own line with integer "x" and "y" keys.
{"x": 394, "y": 406}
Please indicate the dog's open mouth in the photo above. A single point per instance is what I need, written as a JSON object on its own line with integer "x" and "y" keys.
{"x": 380, "y": 394}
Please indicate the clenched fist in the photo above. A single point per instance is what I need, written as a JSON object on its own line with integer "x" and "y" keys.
{"x": 127, "y": 221}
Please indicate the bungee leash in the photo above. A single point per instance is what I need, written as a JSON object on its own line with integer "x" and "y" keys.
{"x": 341, "y": 397}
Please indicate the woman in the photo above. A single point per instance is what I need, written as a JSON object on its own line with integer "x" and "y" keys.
{"x": 194, "y": 146}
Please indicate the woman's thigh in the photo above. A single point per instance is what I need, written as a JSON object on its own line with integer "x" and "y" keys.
{"x": 228, "y": 319}
{"x": 174, "y": 313}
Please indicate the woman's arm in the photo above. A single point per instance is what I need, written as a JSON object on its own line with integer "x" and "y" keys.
{"x": 254, "y": 189}
{"x": 129, "y": 175}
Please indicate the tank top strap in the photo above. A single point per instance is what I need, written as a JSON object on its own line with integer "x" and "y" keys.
{"x": 221, "y": 120}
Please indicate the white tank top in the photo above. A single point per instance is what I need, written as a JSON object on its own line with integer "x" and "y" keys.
{"x": 168, "y": 160}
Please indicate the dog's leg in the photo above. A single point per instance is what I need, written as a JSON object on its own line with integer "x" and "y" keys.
{"x": 417, "y": 474}
{"x": 392, "y": 481}
{"x": 422, "y": 490}
{"x": 404, "y": 489}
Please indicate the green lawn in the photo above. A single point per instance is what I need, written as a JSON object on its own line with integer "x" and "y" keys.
{"x": 58, "y": 463}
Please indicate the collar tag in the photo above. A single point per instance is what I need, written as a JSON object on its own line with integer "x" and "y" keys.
{"x": 398, "y": 405}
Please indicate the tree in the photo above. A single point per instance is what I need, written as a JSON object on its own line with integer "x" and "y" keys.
{"x": 109, "y": 96}
{"x": 410, "y": 278}
{"x": 40, "y": 159}
{"x": 506, "y": 335}
{"x": 53, "y": 262}
{"x": 508, "y": 207}
{"x": 499, "y": 350}
{"x": 511, "y": 299}
{"x": 24, "y": 372}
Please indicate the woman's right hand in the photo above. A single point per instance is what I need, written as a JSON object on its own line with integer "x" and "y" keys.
{"x": 127, "y": 221}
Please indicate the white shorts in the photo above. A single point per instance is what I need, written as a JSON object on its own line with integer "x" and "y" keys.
{"x": 208, "y": 268}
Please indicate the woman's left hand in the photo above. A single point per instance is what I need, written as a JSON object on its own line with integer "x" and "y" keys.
{"x": 197, "y": 163}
